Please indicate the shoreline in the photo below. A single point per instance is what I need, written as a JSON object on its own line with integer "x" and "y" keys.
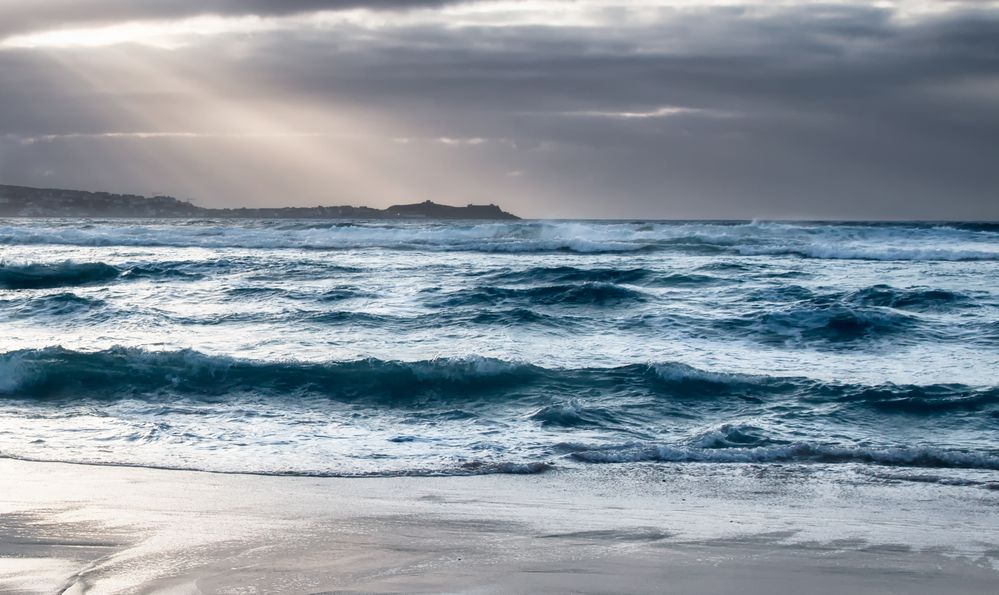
{"x": 78, "y": 528}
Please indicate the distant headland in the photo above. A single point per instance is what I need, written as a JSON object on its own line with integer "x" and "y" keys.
{"x": 25, "y": 201}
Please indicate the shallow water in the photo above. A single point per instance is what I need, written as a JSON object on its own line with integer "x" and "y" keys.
{"x": 349, "y": 348}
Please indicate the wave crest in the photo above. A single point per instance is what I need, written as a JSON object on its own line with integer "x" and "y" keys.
{"x": 912, "y": 242}
{"x": 918, "y": 299}
{"x": 120, "y": 372}
{"x": 48, "y": 276}
{"x": 584, "y": 294}
{"x": 818, "y": 324}
{"x": 52, "y": 305}
{"x": 798, "y": 452}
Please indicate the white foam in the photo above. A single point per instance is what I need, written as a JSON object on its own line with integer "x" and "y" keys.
{"x": 676, "y": 372}
{"x": 758, "y": 239}
{"x": 797, "y": 452}
{"x": 465, "y": 368}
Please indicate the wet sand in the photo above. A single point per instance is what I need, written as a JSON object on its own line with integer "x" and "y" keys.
{"x": 613, "y": 529}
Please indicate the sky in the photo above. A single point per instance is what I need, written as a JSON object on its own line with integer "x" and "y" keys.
{"x": 731, "y": 109}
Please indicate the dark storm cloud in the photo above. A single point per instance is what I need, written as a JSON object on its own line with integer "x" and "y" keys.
{"x": 848, "y": 112}
{"x": 840, "y": 111}
{"x": 856, "y": 59}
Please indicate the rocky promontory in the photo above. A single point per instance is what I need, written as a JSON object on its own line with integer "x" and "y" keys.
{"x": 24, "y": 201}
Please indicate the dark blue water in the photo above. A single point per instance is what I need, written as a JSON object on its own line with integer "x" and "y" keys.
{"x": 413, "y": 348}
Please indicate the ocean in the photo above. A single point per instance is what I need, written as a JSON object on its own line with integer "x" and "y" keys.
{"x": 448, "y": 348}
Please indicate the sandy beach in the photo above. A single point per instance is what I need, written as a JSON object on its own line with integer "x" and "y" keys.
{"x": 620, "y": 529}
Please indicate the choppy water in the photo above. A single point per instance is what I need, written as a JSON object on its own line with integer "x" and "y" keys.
{"x": 381, "y": 348}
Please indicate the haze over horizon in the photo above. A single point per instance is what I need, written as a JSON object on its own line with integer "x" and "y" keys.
{"x": 727, "y": 109}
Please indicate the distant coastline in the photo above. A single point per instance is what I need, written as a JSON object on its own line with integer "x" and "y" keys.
{"x": 26, "y": 201}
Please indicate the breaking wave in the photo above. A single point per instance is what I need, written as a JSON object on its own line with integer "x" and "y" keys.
{"x": 127, "y": 372}
{"x": 914, "y": 242}
{"x": 797, "y": 452}
{"x": 120, "y": 372}
{"x": 537, "y": 409}
{"x": 47, "y": 276}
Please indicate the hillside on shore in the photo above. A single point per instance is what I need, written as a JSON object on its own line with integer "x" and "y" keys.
{"x": 24, "y": 201}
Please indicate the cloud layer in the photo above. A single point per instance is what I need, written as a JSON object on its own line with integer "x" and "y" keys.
{"x": 572, "y": 109}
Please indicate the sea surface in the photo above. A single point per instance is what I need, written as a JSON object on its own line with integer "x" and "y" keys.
{"x": 426, "y": 348}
